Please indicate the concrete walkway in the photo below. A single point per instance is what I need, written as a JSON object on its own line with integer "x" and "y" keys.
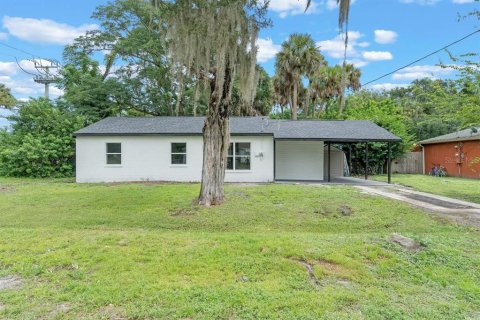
{"x": 349, "y": 181}
{"x": 458, "y": 210}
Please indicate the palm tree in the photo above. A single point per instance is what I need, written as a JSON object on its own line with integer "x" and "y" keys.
{"x": 292, "y": 62}
{"x": 316, "y": 62}
{"x": 329, "y": 82}
{"x": 281, "y": 91}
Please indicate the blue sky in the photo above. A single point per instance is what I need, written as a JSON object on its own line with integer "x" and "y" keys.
{"x": 384, "y": 35}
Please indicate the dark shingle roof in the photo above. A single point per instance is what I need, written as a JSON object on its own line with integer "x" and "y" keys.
{"x": 467, "y": 134}
{"x": 345, "y": 131}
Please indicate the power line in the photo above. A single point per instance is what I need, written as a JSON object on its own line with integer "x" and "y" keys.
{"x": 422, "y": 58}
{"x": 20, "y": 50}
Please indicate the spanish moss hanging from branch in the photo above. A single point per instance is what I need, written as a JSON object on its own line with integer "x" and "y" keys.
{"x": 215, "y": 42}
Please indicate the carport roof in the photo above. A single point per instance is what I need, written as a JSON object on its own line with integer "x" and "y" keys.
{"x": 326, "y": 130}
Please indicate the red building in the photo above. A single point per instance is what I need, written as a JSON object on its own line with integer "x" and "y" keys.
{"x": 458, "y": 153}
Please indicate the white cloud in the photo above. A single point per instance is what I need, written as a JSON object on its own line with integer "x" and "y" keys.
{"x": 336, "y": 46}
{"x": 377, "y": 55}
{"x": 3, "y": 36}
{"x": 386, "y": 86}
{"x": 266, "y": 49}
{"x": 8, "y": 68}
{"x": 463, "y": 1}
{"x": 285, "y": 8}
{"x": 421, "y": 2}
{"x": 419, "y": 72}
{"x": 385, "y": 36}
{"x": 331, "y": 4}
{"x": 44, "y": 30}
{"x": 56, "y": 92}
{"x": 358, "y": 63}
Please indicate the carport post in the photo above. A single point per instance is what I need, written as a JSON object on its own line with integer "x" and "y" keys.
{"x": 328, "y": 161}
{"x": 389, "y": 163}
{"x": 350, "y": 159}
{"x": 366, "y": 160}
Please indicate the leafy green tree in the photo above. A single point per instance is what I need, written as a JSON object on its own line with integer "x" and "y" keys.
{"x": 132, "y": 40}
{"x": 438, "y": 107}
{"x": 88, "y": 92}
{"x": 40, "y": 143}
{"x": 6, "y": 98}
{"x": 385, "y": 113}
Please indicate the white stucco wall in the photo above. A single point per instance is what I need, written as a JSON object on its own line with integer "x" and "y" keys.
{"x": 299, "y": 160}
{"x": 148, "y": 158}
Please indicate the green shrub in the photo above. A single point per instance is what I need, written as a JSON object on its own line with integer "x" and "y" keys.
{"x": 40, "y": 143}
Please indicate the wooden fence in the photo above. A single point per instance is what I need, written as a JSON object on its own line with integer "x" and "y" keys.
{"x": 411, "y": 162}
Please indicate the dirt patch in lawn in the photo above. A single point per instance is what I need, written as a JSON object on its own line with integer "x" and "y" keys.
{"x": 57, "y": 311}
{"x": 10, "y": 282}
{"x": 111, "y": 312}
{"x": 330, "y": 266}
{"x": 330, "y": 272}
{"x": 63, "y": 267}
{"x": 238, "y": 194}
{"x": 183, "y": 212}
{"x": 6, "y": 189}
{"x": 311, "y": 274}
{"x": 345, "y": 210}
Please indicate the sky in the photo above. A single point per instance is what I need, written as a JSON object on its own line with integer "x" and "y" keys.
{"x": 384, "y": 35}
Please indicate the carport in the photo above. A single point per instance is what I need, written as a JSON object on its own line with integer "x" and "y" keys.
{"x": 299, "y": 147}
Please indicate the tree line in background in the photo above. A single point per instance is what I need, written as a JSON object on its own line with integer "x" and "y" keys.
{"x": 138, "y": 77}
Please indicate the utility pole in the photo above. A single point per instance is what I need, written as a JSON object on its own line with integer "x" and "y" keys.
{"x": 46, "y": 72}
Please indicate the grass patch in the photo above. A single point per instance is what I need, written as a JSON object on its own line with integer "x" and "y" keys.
{"x": 101, "y": 251}
{"x": 458, "y": 188}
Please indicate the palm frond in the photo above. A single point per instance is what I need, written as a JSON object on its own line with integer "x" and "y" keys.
{"x": 309, "y": 2}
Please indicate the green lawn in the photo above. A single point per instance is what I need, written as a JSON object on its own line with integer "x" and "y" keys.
{"x": 143, "y": 251}
{"x": 459, "y": 188}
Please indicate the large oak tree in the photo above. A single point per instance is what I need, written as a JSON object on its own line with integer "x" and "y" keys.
{"x": 214, "y": 41}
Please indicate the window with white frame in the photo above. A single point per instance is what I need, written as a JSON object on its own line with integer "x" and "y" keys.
{"x": 179, "y": 153}
{"x": 238, "y": 156}
{"x": 114, "y": 153}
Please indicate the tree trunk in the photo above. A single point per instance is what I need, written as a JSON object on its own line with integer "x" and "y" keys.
{"x": 216, "y": 140}
{"x": 344, "y": 74}
{"x": 307, "y": 101}
{"x": 179, "y": 98}
{"x": 195, "y": 99}
{"x": 295, "y": 100}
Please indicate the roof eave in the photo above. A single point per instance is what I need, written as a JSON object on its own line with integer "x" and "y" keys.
{"x": 91, "y": 134}
{"x": 425, "y": 142}
{"x": 339, "y": 140}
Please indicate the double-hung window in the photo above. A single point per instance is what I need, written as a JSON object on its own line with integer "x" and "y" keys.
{"x": 179, "y": 153}
{"x": 238, "y": 156}
{"x": 114, "y": 153}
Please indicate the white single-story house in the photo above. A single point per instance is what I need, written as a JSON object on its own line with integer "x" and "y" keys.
{"x": 120, "y": 149}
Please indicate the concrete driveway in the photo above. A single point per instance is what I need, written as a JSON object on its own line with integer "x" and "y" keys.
{"x": 461, "y": 211}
